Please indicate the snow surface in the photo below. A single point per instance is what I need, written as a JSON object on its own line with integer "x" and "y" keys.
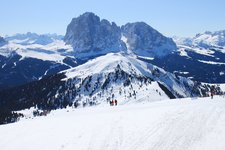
{"x": 183, "y": 52}
{"x": 222, "y": 73}
{"x": 187, "y": 124}
{"x": 146, "y": 58}
{"x": 125, "y": 41}
{"x": 180, "y": 72}
{"x": 212, "y": 62}
{"x": 222, "y": 86}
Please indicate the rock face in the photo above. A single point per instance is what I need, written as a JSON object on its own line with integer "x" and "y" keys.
{"x": 91, "y": 36}
{"x": 146, "y": 41}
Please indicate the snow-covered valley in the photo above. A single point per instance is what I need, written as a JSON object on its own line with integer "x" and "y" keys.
{"x": 193, "y": 124}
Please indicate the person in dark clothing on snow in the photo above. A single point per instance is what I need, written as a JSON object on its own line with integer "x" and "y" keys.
{"x": 115, "y": 102}
{"x": 211, "y": 95}
{"x": 111, "y": 103}
{"x": 212, "y": 91}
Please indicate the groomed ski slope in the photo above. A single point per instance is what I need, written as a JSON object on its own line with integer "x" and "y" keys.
{"x": 186, "y": 124}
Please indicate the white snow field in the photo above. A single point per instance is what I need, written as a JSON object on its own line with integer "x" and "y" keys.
{"x": 183, "y": 124}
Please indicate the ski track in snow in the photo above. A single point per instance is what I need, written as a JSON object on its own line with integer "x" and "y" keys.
{"x": 188, "y": 124}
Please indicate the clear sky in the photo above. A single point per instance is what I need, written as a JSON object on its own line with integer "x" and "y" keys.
{"x": 170, "y": 17}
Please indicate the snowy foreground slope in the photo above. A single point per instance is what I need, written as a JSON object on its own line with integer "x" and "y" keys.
{"x": 193, "y": 124}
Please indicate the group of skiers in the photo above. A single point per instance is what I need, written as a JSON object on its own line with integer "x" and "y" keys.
{"x": 113, "y": 102}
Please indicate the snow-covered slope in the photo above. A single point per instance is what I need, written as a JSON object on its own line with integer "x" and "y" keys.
{"x": 188, "y": 124}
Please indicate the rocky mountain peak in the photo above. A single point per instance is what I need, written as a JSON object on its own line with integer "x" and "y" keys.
{"x": 91, "y": 36}
{"x": 146, "y": 41}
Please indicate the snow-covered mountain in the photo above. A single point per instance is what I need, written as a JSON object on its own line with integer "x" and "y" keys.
{"x": 201, "y": 58}
{"x": 205, "y": 40}
{"x": 22, "y": 61}
{"x": 121, "y": 70}
{"x": 209, "y": 39}
{"x": 33, "y": 38}
{"x": 204, "y": 65}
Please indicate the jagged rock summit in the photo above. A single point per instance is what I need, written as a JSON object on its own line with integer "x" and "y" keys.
{"x": 90, "y": 36}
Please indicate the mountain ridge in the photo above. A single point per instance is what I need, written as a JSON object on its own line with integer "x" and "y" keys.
{"x": 33, "y": 38}
{"x": 89, "y": 34}
{"x": 121, "y": 77}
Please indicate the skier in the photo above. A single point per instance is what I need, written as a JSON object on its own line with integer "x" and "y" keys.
{"x": 211, "y": 91}
{"x": 211, "y": 95}
{"x": 111, "y": 102}
{"x": 115, "y": 102}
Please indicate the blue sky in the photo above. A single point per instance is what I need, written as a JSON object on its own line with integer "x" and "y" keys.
{"x": 170, "y": 17}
